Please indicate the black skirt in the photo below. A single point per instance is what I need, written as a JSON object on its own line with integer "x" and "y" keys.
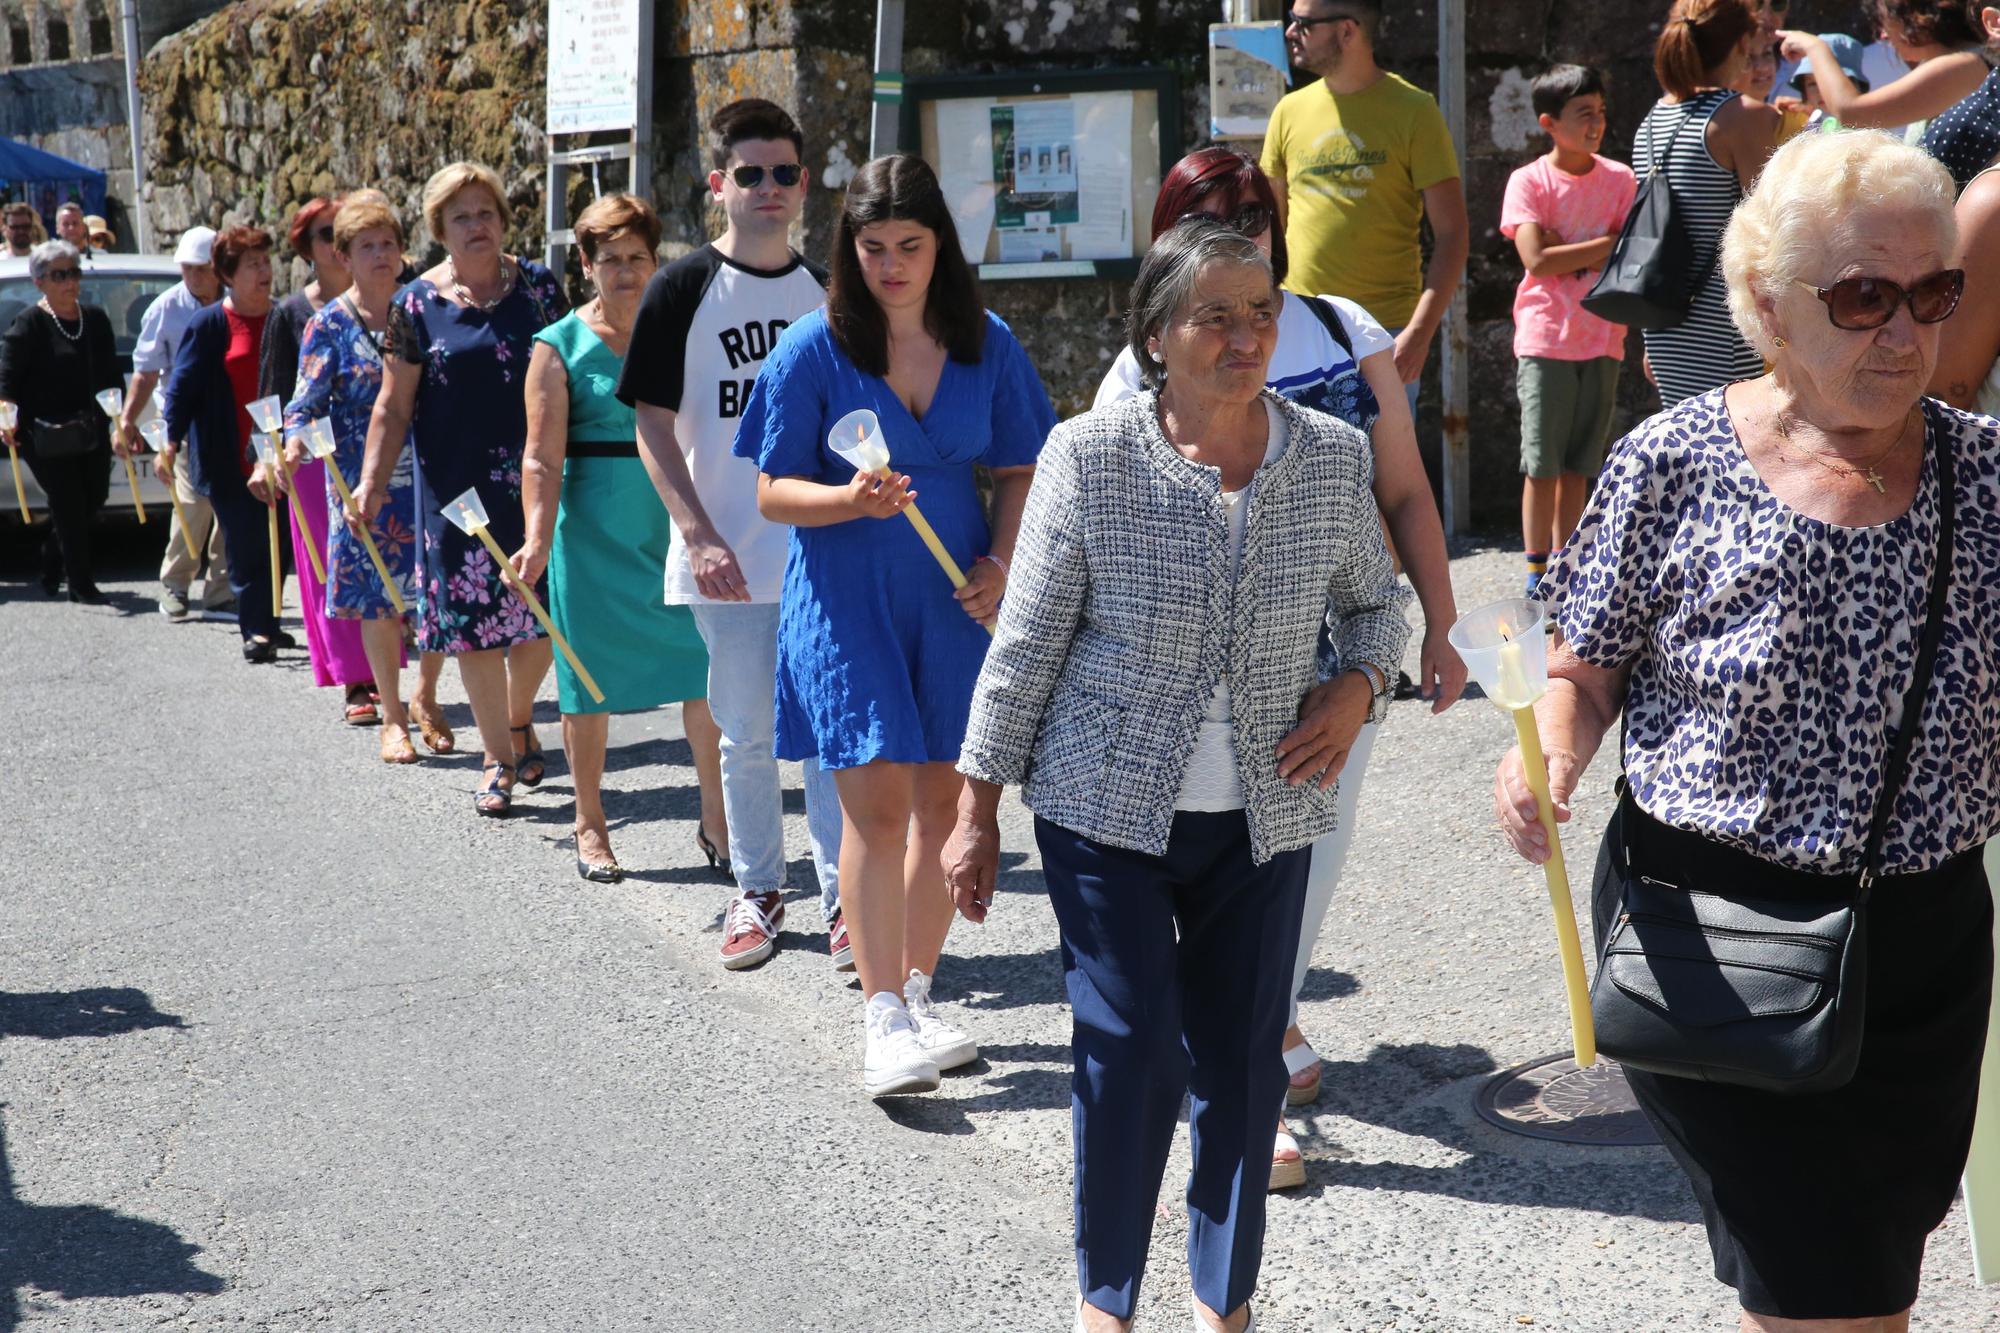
{"x": 1818, "y": 1206}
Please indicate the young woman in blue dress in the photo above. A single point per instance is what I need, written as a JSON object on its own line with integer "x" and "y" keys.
{"x": 877, "y": 655}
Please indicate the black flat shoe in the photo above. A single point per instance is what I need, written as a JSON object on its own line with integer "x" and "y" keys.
{"x": 258, "y": 652}
{"x": 88, "y": 595}
{"x": 716, "y": 860}
{"x": 52, "y": 584}
{"x": 608, "y": 873}
{"x": 280, "y": 639}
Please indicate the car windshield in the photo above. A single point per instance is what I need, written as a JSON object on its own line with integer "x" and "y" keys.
{"x": 123, "y": 296}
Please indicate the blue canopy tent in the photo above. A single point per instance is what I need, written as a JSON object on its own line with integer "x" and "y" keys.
{"x": 48, "y": 181}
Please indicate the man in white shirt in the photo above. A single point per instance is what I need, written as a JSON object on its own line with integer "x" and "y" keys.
{"x": 706, "y": 324}
{"x": 159, "y": 334}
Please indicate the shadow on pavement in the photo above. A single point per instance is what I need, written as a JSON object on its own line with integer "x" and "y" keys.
{"x": 75, "y": 1251}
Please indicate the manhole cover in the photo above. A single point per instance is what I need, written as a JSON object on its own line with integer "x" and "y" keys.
{"x": 1553, "y": 1099}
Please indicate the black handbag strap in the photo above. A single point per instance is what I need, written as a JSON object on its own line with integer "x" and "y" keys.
{"x": 1920, "y": 680}
{"x": 1331, "y": 318}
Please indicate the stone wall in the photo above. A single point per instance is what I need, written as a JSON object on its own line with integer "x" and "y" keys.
{"x": 270, "y": 101}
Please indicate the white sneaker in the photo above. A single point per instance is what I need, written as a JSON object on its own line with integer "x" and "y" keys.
{"x": 894, "y": 1060}
{"x": 1201, "y": 1324}
{"x": 944, "y": 1043}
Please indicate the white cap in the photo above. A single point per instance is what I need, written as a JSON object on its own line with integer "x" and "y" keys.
{"x": 197, "y": 246}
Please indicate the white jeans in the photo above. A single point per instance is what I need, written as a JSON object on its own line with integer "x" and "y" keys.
{"x": 1329, "y": 855}
{"x": 742, "y": 639}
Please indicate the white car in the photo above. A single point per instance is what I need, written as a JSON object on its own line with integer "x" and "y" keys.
{"x": 123, "y": 286}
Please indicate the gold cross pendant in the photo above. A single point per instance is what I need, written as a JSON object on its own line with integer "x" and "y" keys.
{"x": 1874, "y": 478}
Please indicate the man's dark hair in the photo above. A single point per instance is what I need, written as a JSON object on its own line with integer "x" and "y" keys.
{"x": 1559, "y": 84}
{"x": 1368, "y": 13}
{"x": 901, "y": 188}
{"x": 751, "y": 118}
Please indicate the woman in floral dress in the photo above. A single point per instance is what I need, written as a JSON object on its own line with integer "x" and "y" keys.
{"x": 456, "y": 364}
{"x": 339, "y": 377}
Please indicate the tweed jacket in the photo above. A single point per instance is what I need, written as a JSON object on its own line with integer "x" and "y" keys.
{"x": 1120, "y": 618}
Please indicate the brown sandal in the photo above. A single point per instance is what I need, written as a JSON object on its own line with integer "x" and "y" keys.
{"x": 435, "y": 731}
{"x": 396, "y": 747}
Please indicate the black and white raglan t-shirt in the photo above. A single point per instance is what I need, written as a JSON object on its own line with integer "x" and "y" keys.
{"x": 704, "y": 328}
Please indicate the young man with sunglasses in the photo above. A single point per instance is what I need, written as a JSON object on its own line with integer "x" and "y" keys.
{"x": 704, "y": 328}
{"x": 20, "y": 225}
{"x": 1358, "y": 158}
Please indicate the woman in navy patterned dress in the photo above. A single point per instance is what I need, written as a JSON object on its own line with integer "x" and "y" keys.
{"x": 1748, "y": 585}
{"x": 459, "y": 339}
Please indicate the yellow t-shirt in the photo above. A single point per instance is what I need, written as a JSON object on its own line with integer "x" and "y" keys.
{"x": 1355, "y": 169}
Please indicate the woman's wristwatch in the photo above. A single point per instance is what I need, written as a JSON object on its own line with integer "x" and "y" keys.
{"x": 1379, "y": 687}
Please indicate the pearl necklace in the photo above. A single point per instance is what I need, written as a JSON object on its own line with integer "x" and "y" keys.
{"x": 458, "y": 288}
{"x": 49, "y": 310}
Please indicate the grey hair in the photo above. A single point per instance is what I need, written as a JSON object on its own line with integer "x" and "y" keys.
{"x": 1167, "y": 278}
{"x": 44, "y": 256}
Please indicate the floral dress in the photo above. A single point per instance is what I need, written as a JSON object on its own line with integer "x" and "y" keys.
{"x": 469, "y": 431}
{"x": 340, "y": 374}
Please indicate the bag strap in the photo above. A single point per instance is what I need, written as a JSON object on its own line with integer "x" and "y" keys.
{"x": 1331, "y": 318}
{"x": 1920, "y": 679}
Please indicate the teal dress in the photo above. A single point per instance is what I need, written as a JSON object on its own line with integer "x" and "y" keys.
{"x": 607, "y": 568}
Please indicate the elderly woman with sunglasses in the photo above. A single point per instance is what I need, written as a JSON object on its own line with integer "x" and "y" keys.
{"x": 1750, "y": 587}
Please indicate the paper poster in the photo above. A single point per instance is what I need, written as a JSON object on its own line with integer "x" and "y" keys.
{"x": 1030, "y": 245}
{"x": 1034, "y": 159}
{"x": 1248, "y": 71}
{"x": 965, "y": 139}
{"x": 593, "y": 65}
{"x": 1103, "y": 229}
{"x": 971, "y": 203}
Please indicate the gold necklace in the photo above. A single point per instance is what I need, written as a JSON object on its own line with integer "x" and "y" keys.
{"x": 1867, "y": 471}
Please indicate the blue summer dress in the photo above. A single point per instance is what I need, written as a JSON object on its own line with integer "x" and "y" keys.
{"x": 469, "y": 430}
{"x": 876, "y": 659}
{"x": 340, "y": 374}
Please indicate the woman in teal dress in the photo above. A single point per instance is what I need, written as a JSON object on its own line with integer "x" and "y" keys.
{"x": 595, "y": 523}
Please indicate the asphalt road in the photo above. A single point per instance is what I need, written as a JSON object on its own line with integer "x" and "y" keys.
{"x": 289, "y": 1040}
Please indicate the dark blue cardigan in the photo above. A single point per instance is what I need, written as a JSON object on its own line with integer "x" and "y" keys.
{"x": 201, "y": 404}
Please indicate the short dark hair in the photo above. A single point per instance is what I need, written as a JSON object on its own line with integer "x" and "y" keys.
{"x": 751, "y": 118}
{"x": 233, "y": 244}
{"x": 1367, "y": 13}
{"x": 901, "y": 188}
{"x": 1561, "y": 84}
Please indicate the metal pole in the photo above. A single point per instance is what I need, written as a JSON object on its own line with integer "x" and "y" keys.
{"x": 642, "y": 128}
{"x": 142, "y": 225}
{"x": 886, "y": 125}
{"x": 1457, "y": 450}
{"x": 553, "y": 191}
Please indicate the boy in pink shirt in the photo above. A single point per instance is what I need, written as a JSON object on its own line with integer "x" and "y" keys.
{"x": 1563, "y": 211}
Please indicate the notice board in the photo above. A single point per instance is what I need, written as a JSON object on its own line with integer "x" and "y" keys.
{"x": 1050, "y": 174}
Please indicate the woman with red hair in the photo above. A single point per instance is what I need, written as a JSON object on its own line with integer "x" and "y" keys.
{"x": 1332, "y": 356}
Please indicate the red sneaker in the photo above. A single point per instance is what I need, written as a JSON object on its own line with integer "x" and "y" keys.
{"x": 750, "y": 929}
{"x": 837, "y": 945}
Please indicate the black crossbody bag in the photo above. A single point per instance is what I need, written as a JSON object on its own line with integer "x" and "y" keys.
{"x": 1653, "y": 273}
{"x": 1729, "y": 987}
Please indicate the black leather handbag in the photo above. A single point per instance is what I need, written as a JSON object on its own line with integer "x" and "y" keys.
{"x": 1720, "y": 984}
{"x": 1654, "y": 271}
{"x": 63, "y": 439}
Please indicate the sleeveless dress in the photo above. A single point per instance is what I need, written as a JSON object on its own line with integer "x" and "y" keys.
{"x": 469, "y": 430}
{"x": 1705, "y": 351}
{"x": 876, "y": 659}
{"x": 610, "y": 548}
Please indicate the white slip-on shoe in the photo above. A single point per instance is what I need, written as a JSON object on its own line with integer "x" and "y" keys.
{"x": 894, "y": 1060}
{"x": 944, "y": 1043}
{"x": 1201, "y": 1324}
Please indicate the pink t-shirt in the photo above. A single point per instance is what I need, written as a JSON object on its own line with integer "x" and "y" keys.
{"x": 1549, "y": 318}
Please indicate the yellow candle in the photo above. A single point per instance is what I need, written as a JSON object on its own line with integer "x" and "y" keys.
{"x": 1583, "y": 1033}
{"x": 180, "y": 515}
{"x": 20, "y": 491}
{"x": 527, "y": 595}
{"x": 277, "y": 570}
{"x": 132, "y": 476}
{"x": 1982, "y": 1167}
{"x": 312, "y": 552}
{"x": 367, "y": 540}
{"x": 931, "y": 539}
{"x": 1512, "y": 689}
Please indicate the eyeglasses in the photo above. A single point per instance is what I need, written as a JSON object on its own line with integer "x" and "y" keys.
{"x": 786, "y": 174}
{"x": 1294, "y": 19}
{"x": 1857, "y": 304}
{"x": 63, "y": 275}
{"x": 1251, "y": 219}
{"x": 324, "y": 233}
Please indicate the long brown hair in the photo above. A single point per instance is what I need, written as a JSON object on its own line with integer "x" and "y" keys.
{"x": 1698, "y": 38}
{"x": 901, "y": 188}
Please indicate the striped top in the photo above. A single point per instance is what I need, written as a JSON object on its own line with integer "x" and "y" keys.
{"x": 1704, "y": 351}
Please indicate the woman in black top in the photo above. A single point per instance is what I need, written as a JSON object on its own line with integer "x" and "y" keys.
{"x": 54, "y": 360}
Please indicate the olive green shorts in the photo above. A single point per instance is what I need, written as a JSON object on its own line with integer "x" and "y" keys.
{"x": 1566, "y": 411}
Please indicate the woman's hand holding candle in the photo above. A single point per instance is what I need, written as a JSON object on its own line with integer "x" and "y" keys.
{"x": 1516, "y": 808}
{"x": 985, "y": 585}
{"x": 878, "y": 495}
{"x": 263, "y": 483}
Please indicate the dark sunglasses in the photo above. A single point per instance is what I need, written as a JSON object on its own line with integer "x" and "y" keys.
{"x": 1294, "y": 19}
{"x": 63, "y": 275}
{"x": 324, "y": 233}
{"x": 1857, "y": 304}
{"x": 785, "y": 174}
{"x": 1250, "y": 219}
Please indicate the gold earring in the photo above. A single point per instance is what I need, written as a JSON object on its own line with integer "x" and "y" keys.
{"x": 1778, "y": 342}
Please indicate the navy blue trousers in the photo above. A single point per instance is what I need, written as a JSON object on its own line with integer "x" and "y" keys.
{"x": 1179, "y": 971}
{"x": 246, "y": 532}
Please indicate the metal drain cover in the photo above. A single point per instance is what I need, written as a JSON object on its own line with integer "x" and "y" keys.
{"x": 1553, "y": 1099}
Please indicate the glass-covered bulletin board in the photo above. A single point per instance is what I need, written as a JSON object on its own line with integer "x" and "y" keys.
{"x": 1051, "y": 174}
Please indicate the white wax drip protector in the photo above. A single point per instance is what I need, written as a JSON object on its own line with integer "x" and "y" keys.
{"x": 267, "y": 414}
{"x": 154, "y": 433}
{"x": 317, "y": 437}
{"x": 10, "y": 416}
{"x": 265, "y": 447}
{"x": 1505, "y": 650}
{"x": 112, "y": 401}
{"x": 857, "y": 437}
{"x": 467, "y": 511}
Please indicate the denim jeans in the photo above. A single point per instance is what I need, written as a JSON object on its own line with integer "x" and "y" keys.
{"x": 742, "y": 641}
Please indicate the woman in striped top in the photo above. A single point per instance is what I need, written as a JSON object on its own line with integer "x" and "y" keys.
{"x": 1711, "y": 143}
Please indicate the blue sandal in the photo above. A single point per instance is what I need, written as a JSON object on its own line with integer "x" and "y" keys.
{"x": 530, "y": 755}
{"x": 493, "y": 800}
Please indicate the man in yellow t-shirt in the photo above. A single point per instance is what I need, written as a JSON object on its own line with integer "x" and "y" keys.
{"x": 1358, "y": 157}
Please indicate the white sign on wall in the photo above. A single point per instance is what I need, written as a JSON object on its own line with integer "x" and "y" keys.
{"x": 593, "y": 65}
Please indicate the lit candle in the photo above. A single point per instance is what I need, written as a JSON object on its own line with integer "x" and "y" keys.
{"x": 10, "y": 417}
{"x": 869, "y": 454}
{"x": 468, "y": 511}
{"x": 262, "y": 444}
{"x": 154, "y": 433}
{"x": 319, "y": 443}
{"x": 113, "y": 403}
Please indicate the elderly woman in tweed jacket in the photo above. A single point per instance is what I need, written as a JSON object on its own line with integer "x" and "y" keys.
{"x": 1200, "y": 616}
